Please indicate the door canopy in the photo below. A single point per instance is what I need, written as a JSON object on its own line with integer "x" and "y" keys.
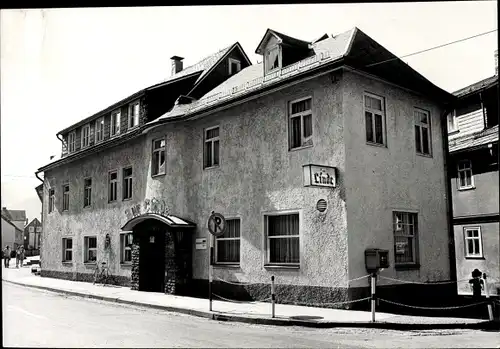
{"x": 170, "y": 221}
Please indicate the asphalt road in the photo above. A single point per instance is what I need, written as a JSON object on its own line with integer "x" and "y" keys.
{"x": 37, "y": 318}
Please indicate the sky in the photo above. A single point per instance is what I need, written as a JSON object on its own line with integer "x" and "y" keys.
{"x": 59, "y": 66}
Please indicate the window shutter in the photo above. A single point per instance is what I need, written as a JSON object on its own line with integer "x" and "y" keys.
{"x": 91, "y": 133}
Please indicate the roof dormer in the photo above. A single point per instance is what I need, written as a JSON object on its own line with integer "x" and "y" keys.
{"x": 280, "y": 50}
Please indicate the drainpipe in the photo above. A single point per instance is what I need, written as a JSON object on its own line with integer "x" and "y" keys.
{"x": 482, "y": 109}
{"x": 62, "y": 141}
{"x": 449, "y": 199}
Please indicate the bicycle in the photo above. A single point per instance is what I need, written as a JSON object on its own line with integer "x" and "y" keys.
{"x": 102, "y": 275}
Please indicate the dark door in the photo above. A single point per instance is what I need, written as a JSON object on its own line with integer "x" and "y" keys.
{"x": 151, "y": 256}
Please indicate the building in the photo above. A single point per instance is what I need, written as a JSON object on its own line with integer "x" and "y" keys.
{"x": 313, "y": 156}
{"x": 12, "y": 236}
{"x": 32, "y": 236}
{"x": 473, "y": 143}
{"x": 18, "y": 217}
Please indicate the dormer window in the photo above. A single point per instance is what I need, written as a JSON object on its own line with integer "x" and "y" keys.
{"x": 133, "y": 115}
{"x": 272, "y": 59}
{"x": 234, "y": 66}
{"x": 85, "y": 136}
{"x": 72, "y": 142}
{"x": 115, "y": 123}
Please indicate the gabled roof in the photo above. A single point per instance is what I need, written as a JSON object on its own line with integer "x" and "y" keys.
{"x": 6, "y": 219}
{"x": 474, "y": 140}
{"x": 352, "y": 48}
{"x": 14, "y": 215}
{"x": 285, "y": 39}
{"x": 34, "y": 221}
{"x": 477, "y": 87}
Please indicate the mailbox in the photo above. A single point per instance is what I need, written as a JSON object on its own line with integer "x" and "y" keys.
{"x": 376, "y": 259}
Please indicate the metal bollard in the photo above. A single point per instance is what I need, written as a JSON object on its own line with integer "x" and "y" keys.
{"x": 374, "y": 280}
{"x": 490, "y": 310}
{"x": 273, "y": 297}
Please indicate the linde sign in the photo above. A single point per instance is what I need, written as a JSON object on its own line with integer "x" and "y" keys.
{"x": 319, "y": 176}
{"x": 157, "y": 206}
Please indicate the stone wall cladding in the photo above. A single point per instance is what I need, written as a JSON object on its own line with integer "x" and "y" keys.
{"x": 135, "y": 266}
{"x": 83, "y": 277}
{"x": 170, "y": 264}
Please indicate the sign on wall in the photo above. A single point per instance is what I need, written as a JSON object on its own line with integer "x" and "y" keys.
{"x": 201, "y": 243}
{"x": 319, "y": 176}
{"x": 153, "y": 205}
{"x": 401, "y": 247}
{"x": 216, "y": 224}
{"x": 31, "y": 229}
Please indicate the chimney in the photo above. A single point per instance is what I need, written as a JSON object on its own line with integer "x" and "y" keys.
{"x": 496, "y": 62}
{"x": 176, "y": 64}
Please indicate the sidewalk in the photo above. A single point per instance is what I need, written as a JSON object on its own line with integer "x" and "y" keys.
{"x": 254, "y": 312}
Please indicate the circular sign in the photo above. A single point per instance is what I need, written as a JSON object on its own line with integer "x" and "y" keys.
{"x": 217, "y": 224}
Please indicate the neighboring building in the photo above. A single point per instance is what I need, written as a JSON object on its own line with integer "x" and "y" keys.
{"x": 18, "y": 217}
{"x": 473, "y": 135}
{"x": 32, "y": 236}
{"x": 12, "y": 236}
{"x": 313, "y": 156}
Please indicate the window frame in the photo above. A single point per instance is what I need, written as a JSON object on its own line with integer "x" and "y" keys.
{"x": 366, "y": 109}
{"x": 65, "y": 249}
{"x": 134, "y": 117}
{"x": 266, "y": 62}
{"x": 301, "y": 115}
{"x": 212, "y": 141}
{"x": 87, "y": 188}
{"x": 65, "y": 199}
{"x": 124, "y": 247}
{"x": 87, "y": 249}
{"x": 99, "y": 130}
{"x": 415, "y": 238}
{"x": 454, "y": 122}
{"x": 159, "y": 150}
{"x": 232, "y": 61}
{"x": 467, "y": 253}
{"x": 116, "y": 181}
{"x": 113, "y": 125}
{"x": 71, "y": 142}
{"x": 421, "y": 126}
{"x": 266, "y": 242}
{"x": 465, "y": 169}
{"x": 83, "y": 138}
{"x": 52, "y": 200}
{"x": 124, "y": 184}
{"x": 222, "y": 238}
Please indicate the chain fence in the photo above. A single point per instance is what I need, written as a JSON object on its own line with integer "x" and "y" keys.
{"x": 422, "y": 283}
{"x": 432, "y": 308}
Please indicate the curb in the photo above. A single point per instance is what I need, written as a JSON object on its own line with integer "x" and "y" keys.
{"x": 483, "y": 325}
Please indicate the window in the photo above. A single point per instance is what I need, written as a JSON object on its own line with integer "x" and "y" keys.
{"x": 85, "y": 136}
{"x": 113, "y": 186}
{"x": 272, "y": 59}
{"x": 158, "y": 158}
{"x": 227, "y": 246}
{"x": 465, "y": 177}
{"x": 375, "y": 119}
{"x": 473, "y": 243}
{"x": 99, "y": 130}
{"x": 405, "y": 238}
{"x": 127, "y": 183}
{"x": 422, "y": 131}
{"x": 72, "y": 142}
{"x": 90, "y": 252}
{"x": 126, "y": 248}
{"x": 452, "y": 121}
{"x": 300, "y": 123}
{"x": 133, "y": 115}
{"x": 65, "y": 197}
{"x": 67, "y": 249}
{"x": 211, "y": 147}
{"x": 282, "y": 232}
{"x": 52, "y": 199}
{"x": 234, "y": 66}
{"x": 115, "y": 123}
{"x": 87, "y": 192}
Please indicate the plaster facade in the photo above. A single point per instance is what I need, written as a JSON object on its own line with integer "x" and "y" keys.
{"x": 258, "y": 174}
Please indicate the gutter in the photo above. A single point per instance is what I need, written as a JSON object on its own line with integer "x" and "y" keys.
{"x": 449, "y": 198}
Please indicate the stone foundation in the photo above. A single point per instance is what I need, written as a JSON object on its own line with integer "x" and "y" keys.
{"x": 170, "y": 264}
{"x": 83, "y": 277}
{"x": 135, "y": 266}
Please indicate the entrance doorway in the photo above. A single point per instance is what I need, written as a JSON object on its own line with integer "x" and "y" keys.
{"x": 151, "y": 237}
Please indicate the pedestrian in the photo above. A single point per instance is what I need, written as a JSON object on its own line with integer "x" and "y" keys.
{"x": 17, "y": 256}
{"x": 21, "y": 255}
{"x": 477, "y": 284}
{"x": 6, "y": 256}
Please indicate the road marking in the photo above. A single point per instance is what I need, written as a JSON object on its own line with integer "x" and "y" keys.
{"x": 26, "y": 312}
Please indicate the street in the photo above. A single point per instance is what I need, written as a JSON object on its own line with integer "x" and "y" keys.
{"x": 36, "y": 318}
